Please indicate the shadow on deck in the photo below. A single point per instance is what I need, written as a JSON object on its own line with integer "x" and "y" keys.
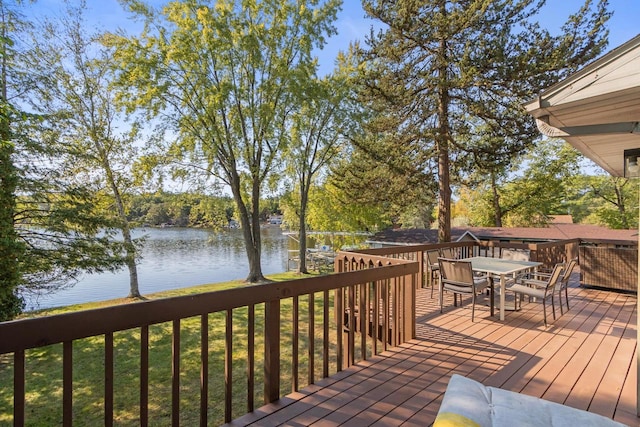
{"x": 585, "y": 359}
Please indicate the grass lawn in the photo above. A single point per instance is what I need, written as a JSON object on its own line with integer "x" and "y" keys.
{"x": 44, "y": 366}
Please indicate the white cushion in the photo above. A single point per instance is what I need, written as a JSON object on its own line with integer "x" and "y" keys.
{"x": 490, "y": 406}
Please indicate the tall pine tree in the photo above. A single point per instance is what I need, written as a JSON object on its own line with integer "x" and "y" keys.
{"x": 11, "y": 249}
{"x": 444, "y": 72}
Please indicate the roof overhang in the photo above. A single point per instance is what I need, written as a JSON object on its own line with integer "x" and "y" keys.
{"x": 597, "y": 109}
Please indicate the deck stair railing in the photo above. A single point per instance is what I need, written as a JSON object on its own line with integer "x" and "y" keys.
{"x": 377, "y": 313}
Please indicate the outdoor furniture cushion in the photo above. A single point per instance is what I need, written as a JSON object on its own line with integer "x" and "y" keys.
{"x": 469, "y": 403}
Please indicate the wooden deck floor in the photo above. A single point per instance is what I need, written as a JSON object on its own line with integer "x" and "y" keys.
{"x": 585, "y": 359}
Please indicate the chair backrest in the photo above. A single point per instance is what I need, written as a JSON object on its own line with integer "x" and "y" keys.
{"x": 555, "y": 275}
{"x": 456, "y": 272}
{"x": 447, "y": 253}
{"x": 432, "y": 257}
{"x": 567, "y": 271}
{"x": 515, "y": 254}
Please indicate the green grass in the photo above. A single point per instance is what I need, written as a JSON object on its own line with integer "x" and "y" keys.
{"x": 44, "y": 366}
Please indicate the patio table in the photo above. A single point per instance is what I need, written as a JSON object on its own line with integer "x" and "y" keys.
{"x": 503, "y": 268}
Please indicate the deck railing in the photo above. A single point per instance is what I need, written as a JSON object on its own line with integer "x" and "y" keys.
{"x": 263, "y": 341}
{"x": 272, "y": 335}
{"x": 549, "y": 253}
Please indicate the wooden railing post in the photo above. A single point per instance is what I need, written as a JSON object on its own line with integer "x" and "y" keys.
{"x": 175, "y": 374}
{"x": 422, "y": 273}
{"x": 409, "y": 307}
{"x": 67, "y": 383}
{"x": 18, "y": 388}
{"x": 339, "y": 314}
{"x": 272, "y": 351}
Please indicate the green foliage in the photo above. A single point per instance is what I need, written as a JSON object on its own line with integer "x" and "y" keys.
{"x": 11, "y": 247}
{"x": 182, "y": 209}
{"x": 447, "y": 79}
{"x": 70, "y": 88}
{"x": 55, "y": 221}
{"x": 225, "y": 75}
{"x": 316, "y": 138}
{"x": 331, "y": 209}
{"x": 542, "y": 188}
{"x": 613, "y": 201}
{"x": 364, "y": 180}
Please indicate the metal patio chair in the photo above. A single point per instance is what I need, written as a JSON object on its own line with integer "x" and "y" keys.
{"x": 540, "y": 288}
{"x": 456, "y": 276}
{"x": 563, "y": 284}
{"x": 433, "y": 268}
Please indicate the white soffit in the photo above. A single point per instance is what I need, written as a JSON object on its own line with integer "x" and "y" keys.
{"x": 597, "y": 109}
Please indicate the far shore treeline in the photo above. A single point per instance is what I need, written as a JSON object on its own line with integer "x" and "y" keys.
{"x": 190, "y": 210}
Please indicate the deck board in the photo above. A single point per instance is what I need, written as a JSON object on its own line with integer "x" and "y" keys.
{"x": 584, "y": 359}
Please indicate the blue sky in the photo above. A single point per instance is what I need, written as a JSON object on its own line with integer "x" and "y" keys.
{"x": 352, "y": 25}
{"x": 623, "y": 25}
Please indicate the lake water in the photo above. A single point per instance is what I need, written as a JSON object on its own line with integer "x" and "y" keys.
{"x": 175, "y": 258}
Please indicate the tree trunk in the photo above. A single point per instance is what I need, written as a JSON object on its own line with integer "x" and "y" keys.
{"x": 304, "y": 197}
{"x": 251, "y": 231}
{"x": 134, "y": 288}
{"x": 444, "y": 202}
{"x": 497, "y": 211}
{"x": 442, "y": 141}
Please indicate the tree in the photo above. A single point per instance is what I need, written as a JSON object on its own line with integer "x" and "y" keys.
{"x": 444, "y": 70}
{"x": 383, "y": 176}
{"x": 541, "y": 188}
{"x": 365, "y": 179}
{"x": 618, "y": 199}
{"x": 74, "y": 88}
{"x": 211, "y": 212}
{"x": 315, "y": 140}
{"x": 49, "y": 231}
{"x": 11, "y": 248}
{"x": 225, "y": 75}
{"x": 332, "y": 209}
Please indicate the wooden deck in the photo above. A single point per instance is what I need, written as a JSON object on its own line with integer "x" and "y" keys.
{"x": 585, "y": 359}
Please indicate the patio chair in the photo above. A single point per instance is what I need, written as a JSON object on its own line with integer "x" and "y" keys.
{"x": 448, "y": 253}
{"x": 457, "y": 276}
{"x": 433, "y": 268}
{"x": 515, "y": 254}
{"x": 539, "y": 280}
{"x": 563, "y": 284}
{"x": 537, "y": 288}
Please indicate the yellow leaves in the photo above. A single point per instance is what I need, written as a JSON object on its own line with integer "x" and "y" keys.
{"x": 224, "y": 7}
{"x": 202, "y": 14}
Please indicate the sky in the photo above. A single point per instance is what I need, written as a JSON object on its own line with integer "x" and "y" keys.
{"x": 353, "y": 25}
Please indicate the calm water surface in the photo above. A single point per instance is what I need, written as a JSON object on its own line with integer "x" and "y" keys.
{"x": 175, "y": 258}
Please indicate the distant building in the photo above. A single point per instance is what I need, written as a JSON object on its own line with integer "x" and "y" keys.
{"x": 601, "y": 236}
{"x": 561, "y": 219}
